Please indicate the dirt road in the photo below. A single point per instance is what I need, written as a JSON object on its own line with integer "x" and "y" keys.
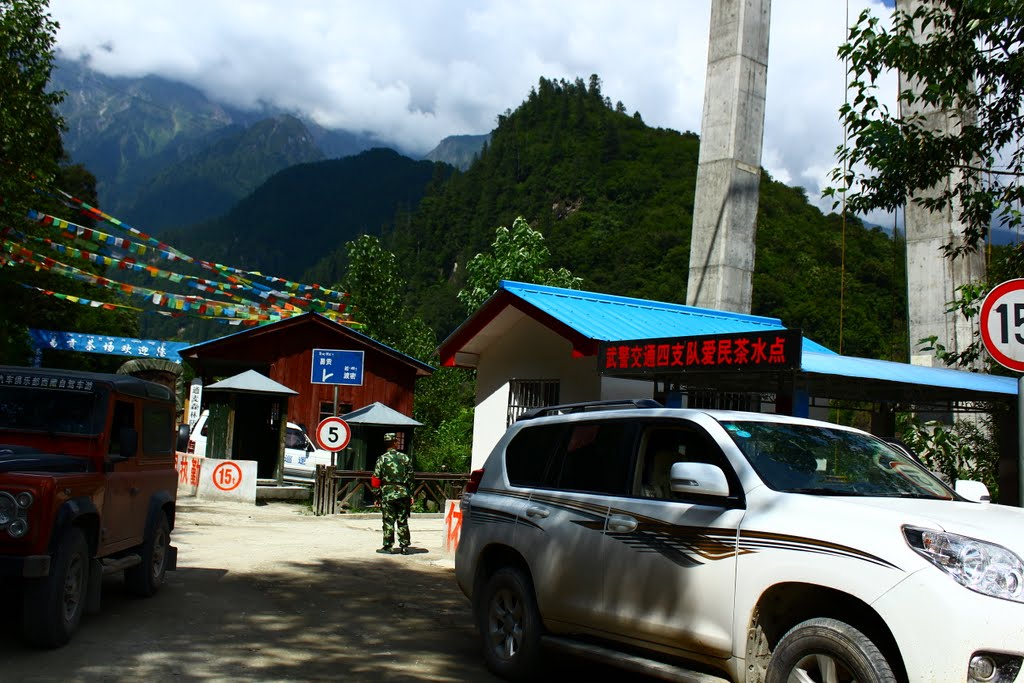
{"x": 271, "y": 593}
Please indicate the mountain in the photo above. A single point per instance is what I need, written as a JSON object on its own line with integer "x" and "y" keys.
{"x": 126, "y": 130}
{"x": 164, "y": 154}
{"x": 306, "y": 212}
{"x": 209, "y": 182}
{"x": 612, "y": 196}
{"x": 459, "y": 151}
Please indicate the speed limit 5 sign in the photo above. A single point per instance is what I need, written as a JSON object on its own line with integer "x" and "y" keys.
{"x": 1002, "y": 324}
{"x": 333, "y": 434}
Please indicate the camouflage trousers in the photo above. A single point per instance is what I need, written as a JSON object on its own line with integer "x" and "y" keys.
{"x": 395, "y": 515}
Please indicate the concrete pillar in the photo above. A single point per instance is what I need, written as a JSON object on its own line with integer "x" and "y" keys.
{"x": 729, "y": 165}
{"x": 932, "y": 279}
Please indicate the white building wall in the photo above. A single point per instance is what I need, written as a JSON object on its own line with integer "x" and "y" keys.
{"x": 531, "y": 351}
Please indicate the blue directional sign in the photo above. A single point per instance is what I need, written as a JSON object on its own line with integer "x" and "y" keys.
{"x": 334, "y": 366}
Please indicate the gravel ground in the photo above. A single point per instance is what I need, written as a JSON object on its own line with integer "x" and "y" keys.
{"x": 272, "y": 593}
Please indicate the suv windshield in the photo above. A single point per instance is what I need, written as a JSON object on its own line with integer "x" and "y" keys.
{"x": 55, "y": 411}
{"x": 823, "y": 461}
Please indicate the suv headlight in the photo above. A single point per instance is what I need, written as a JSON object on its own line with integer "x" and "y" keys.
{"x": 8, "y": 510}
{"x": 14, "y": 513}
{"x": 983, "y": 567}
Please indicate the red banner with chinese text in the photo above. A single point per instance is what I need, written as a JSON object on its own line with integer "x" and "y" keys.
{"x": 758, "y": 350}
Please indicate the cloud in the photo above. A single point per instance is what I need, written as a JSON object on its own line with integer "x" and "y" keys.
{"x": 411, "y": 73}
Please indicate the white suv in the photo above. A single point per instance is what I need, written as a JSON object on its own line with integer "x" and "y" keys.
{"x": 743, "y": 547}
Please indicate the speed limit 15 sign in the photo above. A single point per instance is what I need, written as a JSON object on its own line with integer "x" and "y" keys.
{"x": 1002, "y": 324}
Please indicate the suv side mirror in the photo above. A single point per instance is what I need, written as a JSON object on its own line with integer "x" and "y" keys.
{"x": 182, "y": 441}
{"x": 699, "y": 478}
{"x": 973, "y": 490}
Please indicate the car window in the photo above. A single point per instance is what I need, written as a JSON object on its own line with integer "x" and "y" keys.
{"x": 294, "y": 438}
{"x": 157, "y": 430}
{"x": 124, "y": 418}
{"x": 57, "y": 410}
{"x": 661, "y": 446}
{"x": 826, "y": 461}
{"x": 528, "y": 456}
{"x": 598, "y": 457}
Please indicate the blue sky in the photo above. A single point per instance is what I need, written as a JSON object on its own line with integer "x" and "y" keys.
{"x": 411, "y": 73}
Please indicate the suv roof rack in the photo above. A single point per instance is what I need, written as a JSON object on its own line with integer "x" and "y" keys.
{"x": 587, "y": 406}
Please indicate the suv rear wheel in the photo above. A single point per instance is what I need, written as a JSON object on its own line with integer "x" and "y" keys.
{"x": 145, "y": 579}
{"x": 827, "y": 651}
{"x": 509, "y": 623}
{"x": 53, "y": 605}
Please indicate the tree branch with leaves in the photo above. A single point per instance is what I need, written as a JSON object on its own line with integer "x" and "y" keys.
{"x": 965, "y": 58}
{"x": 517, "y": 254}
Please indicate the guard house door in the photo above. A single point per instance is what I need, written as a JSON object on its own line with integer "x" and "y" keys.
{"x": 258, "y": 432}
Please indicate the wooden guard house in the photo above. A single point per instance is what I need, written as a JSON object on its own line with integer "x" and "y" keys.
{"x": 286, "y": 351}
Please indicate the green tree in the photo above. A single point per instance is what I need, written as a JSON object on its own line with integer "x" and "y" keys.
{"x": 443, "y": 401}
{"x": 516, "y": 254}
{"x": 963, "y": 450}
{"x": 966, "y": 57}
{"x": 31, "y": 164}
{"x": 30, "y": 147}
{"x": 376, "y": 292}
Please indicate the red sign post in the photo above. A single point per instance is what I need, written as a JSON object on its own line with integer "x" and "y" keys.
{"x": 1002, "y": 332}
{"x": 1002, "y": 324}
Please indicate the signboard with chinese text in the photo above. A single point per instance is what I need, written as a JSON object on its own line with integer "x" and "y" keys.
{"x": 759, "y": 350}
{"x": 195, "y": 401}
{"x": 115, "y": 346}
{"x": 334, "y": 366}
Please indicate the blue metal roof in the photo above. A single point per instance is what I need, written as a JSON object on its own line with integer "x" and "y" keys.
{"x": 605, "y": 317}
{"x": 889, "y": 371}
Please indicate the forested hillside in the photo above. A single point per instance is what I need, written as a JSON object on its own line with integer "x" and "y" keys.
{"x": 308, "y": 211}
{"x": 614, "y": 199}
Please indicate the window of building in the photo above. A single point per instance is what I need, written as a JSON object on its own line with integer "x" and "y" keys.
{"x": 327, "y": 410}
{"x": 524, "y": 394}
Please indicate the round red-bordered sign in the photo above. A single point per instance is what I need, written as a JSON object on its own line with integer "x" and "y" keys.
{"x": 227, "y": 476}
{"x": 1002, "y": 324}
{"x": 333, "y": 434}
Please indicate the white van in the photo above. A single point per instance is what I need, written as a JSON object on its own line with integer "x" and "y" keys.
{"x": 301, "y": 456}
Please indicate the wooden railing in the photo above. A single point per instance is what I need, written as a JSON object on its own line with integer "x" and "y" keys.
{"x": 336, "y": 491}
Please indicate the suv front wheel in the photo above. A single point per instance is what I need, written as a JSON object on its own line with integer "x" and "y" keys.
{"x": 54, "y": 604}
{"x": 827, "y": 650}
{"x": 509, "y": 623}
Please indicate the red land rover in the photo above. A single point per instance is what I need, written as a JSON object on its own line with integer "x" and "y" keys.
{"x": 87, "y": 487}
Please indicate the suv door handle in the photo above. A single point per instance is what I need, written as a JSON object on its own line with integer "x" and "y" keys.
{"x": 621, "y": 523}
{"x": 537, "y": 511}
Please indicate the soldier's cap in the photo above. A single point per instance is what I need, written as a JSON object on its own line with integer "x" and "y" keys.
{"x": 390, "y": 436}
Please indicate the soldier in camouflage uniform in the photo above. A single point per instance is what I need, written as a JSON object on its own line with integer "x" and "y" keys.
{"x": 393, "y": 475}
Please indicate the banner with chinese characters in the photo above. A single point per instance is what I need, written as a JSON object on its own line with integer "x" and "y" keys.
{"x": 114, "y": 346}
{"x": 759, "y": 350}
